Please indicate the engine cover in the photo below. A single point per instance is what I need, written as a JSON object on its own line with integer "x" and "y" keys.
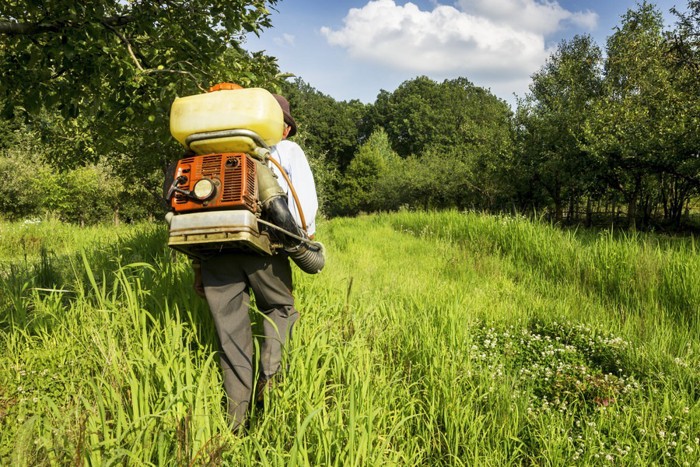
{"x": 234, "y": 180}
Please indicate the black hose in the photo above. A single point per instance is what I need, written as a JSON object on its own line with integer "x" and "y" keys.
{"x": 309, "y": 259}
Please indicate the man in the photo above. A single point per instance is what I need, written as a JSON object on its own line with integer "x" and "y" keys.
{"x": 227, "y": 279}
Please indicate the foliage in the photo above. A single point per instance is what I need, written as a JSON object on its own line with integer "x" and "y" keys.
{"x": 552, "y": 119}
{"x": 96, "y": 79}
{"x": 117, "y": 58}
{"x": 453, "y": 139}
{"x": 84, "y": 195}
{"x": 628, "y": 123}
{"x": 422, "y": 115}
{"x": 603, "y": 133}
{"x": 87, "y": 193}
{"x": 329, "y": 130}
{"x": 371, "y": 181}
{"x": 686, "y": 40}
{"x": 623, "y": 133}
{"x": 22, "y": 174}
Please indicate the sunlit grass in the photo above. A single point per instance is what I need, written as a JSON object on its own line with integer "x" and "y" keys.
{"x": 429, "y": 339}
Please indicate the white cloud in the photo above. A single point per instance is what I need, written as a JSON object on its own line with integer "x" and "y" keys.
{"x": 492, "y": 41}
{"x": 286, "y": 40}
{"x": 541, "y": 17}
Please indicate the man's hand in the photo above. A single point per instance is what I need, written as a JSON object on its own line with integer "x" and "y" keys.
{"x": 198, "y": 285}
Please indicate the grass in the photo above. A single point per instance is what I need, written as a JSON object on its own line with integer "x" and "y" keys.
{"x": 429, "y": 339}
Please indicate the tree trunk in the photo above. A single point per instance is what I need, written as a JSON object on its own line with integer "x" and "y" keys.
{"x": 573, "y": 217}
{"x": 589, "y": 212}
{"x": 632, "y": 211}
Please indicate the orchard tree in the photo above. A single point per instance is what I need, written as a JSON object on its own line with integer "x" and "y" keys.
{"x": 112, "y": 55}
{"x": 94, "y": 80}
{"x": 115, "y": 66}
{"x": 686, "y": 38}
{"x": 636, "y": 129}
{"x": 683, "y": 168}
{"x": 552, "y": 119}
{"x": 451, "y": 127}
{"x": 422, "y": 114}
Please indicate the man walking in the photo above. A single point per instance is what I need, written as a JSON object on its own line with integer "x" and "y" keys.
{"x": 226, "y": 281}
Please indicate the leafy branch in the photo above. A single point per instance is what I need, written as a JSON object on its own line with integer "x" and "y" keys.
{"x": 13, "y": 28}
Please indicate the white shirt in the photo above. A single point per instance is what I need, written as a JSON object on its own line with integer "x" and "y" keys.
{"x": 293, "y": 160}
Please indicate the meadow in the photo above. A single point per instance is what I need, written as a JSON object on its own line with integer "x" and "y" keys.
{"x": 430, "y": 338}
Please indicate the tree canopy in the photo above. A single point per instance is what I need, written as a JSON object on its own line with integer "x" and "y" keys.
{"x": 553, "y": 117}
{"x": 120, "y": 58}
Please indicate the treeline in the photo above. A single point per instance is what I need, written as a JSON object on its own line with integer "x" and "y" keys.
{"x": 600, "y": 137}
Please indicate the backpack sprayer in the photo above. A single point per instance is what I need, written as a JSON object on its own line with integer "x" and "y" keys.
{"x": 224, "y": 197}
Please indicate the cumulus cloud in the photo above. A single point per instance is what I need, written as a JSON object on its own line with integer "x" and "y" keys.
{"x": 540, "y": 17}
{"x": 498, "y": 39}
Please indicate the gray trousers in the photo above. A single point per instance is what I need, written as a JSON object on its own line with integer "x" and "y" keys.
{"x": 227, "y": 281}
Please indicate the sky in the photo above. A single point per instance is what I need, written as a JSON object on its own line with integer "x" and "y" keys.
{"x": 353, "y": 49}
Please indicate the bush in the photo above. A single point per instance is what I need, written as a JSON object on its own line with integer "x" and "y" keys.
{"x": 21, "y": 175}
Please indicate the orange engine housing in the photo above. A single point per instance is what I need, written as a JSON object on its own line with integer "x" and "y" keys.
{"x": 233, "y": 175}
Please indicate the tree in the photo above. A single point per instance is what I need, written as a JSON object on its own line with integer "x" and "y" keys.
{"x": 452, "y": 128}
{"x": 109, "y": 56}
{"x": 370, "y": 181}
{"x": 328, "y": 128}
{"x": 633, "y": 127}
{"x": 684, "y": 168}
{"x": 686, "y": 39}
{"x": 422, "y": 114}
{"x": 96, "y": 79}
{"x": 552, "y": 118}
{"x": 113, "y": 68}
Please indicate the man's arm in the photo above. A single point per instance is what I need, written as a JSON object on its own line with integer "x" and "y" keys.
{"x": 295, "y": 163}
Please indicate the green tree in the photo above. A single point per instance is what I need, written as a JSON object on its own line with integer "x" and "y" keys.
{"x": 95, "y": 80}
{"x": 328, "y": 128}
{"x": 683, "y": 163}
{"x": 116, "y": 57}
{"x": 630, "y": 126}
{"x": 422, "y": 114}
{"x": 453, "y": 129}
{"x": 686, "y": 38}
{"x": 370, "y": 182}
{"x": 551, "y": 123}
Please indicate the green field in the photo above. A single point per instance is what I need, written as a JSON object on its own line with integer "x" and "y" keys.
{"x": 429, "y": 339}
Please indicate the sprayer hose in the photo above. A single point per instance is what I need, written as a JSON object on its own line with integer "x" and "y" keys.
{"x": 311, "y": 243}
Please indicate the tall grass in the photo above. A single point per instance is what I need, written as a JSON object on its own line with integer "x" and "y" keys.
{"x": 429, "y": 339}
{"x": 632, "y": 272}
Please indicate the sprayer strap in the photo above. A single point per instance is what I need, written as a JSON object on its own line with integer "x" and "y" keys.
{"x": 315, "y": 245}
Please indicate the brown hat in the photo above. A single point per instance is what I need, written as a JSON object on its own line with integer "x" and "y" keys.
{"x": 287, "y": 115}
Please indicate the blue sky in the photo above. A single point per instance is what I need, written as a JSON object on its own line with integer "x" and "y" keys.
{"x": 352, "y": 49}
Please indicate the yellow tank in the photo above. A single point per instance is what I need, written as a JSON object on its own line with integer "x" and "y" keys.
{"x": 253, "y": 109}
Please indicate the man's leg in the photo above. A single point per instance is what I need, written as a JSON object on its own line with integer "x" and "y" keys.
{"x": 271, "y": 282}
{"x": 226, "y": 289}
